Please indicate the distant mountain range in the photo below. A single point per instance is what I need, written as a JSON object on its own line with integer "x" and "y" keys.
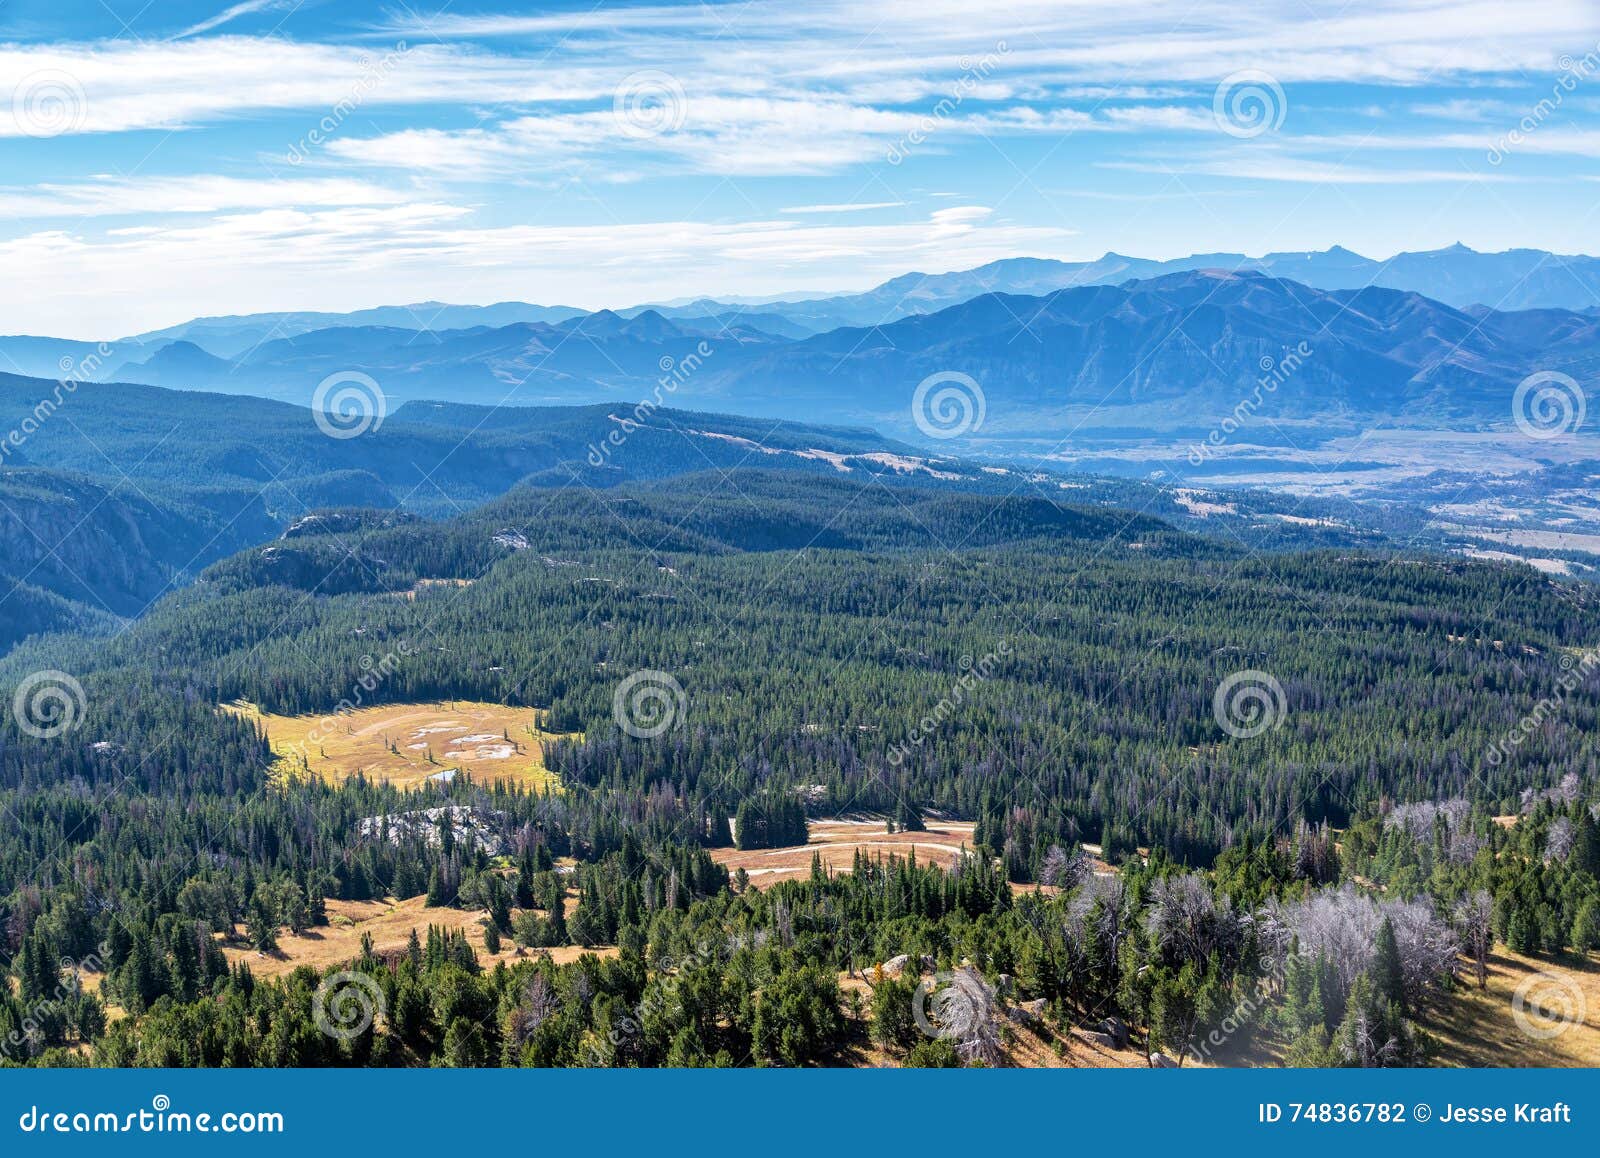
{"x": 1517, "y": 279}
{"x": 229, "y": 337}
{"x": 1157, "y": 354}
{"x": 583, "y": 359}
{"x": 1170, "y": 354}
{"x": 1178, "y": 353}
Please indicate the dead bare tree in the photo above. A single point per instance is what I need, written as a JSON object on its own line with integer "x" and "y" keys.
{"x": 1474, "y": 918}
{"x": 1419, "y": 820}
{"x": 967, "y": 1012}
{"x": 1365, "y": 1042}
{"x": 1190, "y": 923}
{"x": 1558, "y": 842}
{"x": 1063, "y": 869}
{"x": 1342, "y": 926}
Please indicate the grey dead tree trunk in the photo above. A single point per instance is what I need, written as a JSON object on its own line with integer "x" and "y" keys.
{"x": 1474, "y": 919}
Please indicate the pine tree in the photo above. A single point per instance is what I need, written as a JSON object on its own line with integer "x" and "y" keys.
{"x": 1388, "y": 974}
{"x": 464, "y": 1045}
{"x": 1586, "y": 926}
{"x": 261, "y": 924}
{"x": 894, "y": 1024}
{"x": 1586, "y": 844}
{"x": 558, "y": 911}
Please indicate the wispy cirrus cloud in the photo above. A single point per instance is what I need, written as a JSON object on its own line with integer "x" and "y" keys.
{"x": 333, "y": 257}
{"x": 1367, "y": 40}
{"x": 107, "y": 196}
{"x": 1293, "y": 169}
{"x": 830, "y": 54}
{"x": 844, "y": 207}
{"x": 229, "y": 15}
{"x": 126, "y": 86}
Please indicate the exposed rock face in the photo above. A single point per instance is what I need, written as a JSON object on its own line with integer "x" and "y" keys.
{"x": 1116, "y": 1030}
{"x": 471, "y": 827}
{"x": 109, "y": 547}
{"x": 345, "y": 521}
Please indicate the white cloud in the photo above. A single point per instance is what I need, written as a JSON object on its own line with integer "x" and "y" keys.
{"x": 1106, "y": 40}
{"x": 828, "y": 53}
{"x": 1530, "y": 133}
{"x": 113, "y": 196}
{"x": 117, "y": 86}
{"x": 845, "y": 207}
{"x": 1300, "y": 170}
{"x": 129, "y": 280}
{"x": 730, "y": 136}
{"x": 768, "y": 88}
{"x": 228, "y": 15}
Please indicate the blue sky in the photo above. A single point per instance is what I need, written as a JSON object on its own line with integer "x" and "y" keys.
{"x": 161, "y": 160}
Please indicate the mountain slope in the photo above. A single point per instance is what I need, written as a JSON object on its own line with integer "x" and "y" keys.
{"x": 112, "y": 548}
{"x": 582, "y": 359}
{"x": 228, "y": 337}
{"x": 148, "y": 485}
{"x": 1177, "y": 352}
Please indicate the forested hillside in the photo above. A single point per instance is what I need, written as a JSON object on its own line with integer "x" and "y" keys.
{"x": 731, "y": 653}
{"x": 117, "y": 494}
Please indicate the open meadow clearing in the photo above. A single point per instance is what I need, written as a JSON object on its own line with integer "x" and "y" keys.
{"x": 389, "y": 923}
{"x": 410, "y": 745}
{"x": 837, "y": 842}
